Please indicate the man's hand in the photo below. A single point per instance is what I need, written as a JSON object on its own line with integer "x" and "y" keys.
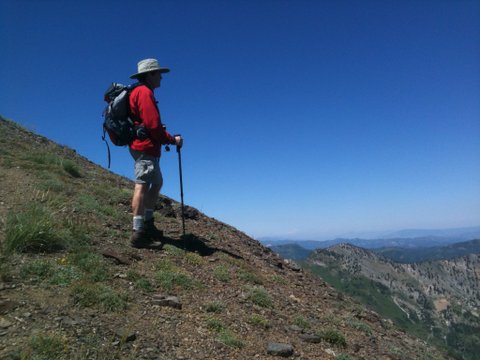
{"x": 178, "y": 141}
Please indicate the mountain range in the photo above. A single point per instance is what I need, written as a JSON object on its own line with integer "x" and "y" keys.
{"x": 403, "y": 238}
{"x": 437, "y": 299}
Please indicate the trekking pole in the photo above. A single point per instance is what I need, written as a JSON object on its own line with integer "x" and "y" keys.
{"x": 181, "y": 189}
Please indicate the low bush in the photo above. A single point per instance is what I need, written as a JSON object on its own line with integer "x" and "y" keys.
{"x": 214, "y": 307}
{"x": 333, "y": 337}
{"x": 260, "y": 297}
{"x": 259, "y": 321}
{"x": 71, "y": 168}
{"x": 45, "y": 347}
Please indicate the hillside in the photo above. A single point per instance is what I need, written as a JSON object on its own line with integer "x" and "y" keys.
{"x": 71, "y": 287}
{"x": 439, "y": 299}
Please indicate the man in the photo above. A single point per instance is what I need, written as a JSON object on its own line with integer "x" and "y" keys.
{"x": 146, "y": 150}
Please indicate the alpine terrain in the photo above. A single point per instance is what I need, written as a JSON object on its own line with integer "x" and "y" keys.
{"x": 439, "y": 300}
{"x": 71, "y": 287}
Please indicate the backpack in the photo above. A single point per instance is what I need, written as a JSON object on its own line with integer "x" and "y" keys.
{"x": 117, "y": 122}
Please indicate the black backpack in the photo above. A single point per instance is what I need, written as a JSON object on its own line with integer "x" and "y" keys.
{"x": 117, "y": 122}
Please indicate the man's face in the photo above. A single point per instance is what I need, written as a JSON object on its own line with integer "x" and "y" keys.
{"x": 154, "y": 79}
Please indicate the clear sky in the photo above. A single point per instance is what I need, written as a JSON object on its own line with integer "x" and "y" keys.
{"x": 301, "y": 119}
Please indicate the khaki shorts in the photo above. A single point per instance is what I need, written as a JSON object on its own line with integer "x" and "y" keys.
{"x": 147, "y": 169}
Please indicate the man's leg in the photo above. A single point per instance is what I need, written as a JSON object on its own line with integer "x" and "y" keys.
{"x": 138, "y": 208}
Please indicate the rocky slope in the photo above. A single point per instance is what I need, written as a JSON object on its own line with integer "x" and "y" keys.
{"x": 441, "y": 293}
{"x": 71, "y": 287}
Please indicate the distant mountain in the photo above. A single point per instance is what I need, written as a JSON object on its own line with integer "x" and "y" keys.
{"x": 465, "y": 233}
{"x": 419, "y": 242}
{"x": 411, "y": 255}
{"x": 306, "y": 244}
{"x": 434, "y": 299}
{"x": 291, "y": 251}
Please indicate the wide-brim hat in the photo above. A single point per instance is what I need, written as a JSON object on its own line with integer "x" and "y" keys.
{"x": 148, "y": 65}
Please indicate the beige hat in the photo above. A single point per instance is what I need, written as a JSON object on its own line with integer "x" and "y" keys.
{"x": 147, "y": 65}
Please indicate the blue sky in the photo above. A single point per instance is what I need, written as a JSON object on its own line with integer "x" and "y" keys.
{"x": 301, "y": 119}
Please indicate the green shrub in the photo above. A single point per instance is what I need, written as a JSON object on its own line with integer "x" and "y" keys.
{"x": 193, "y": 258}
{"x": 249, "y": 277}
{"x": 362, "y": 327}
{"x": 260, "y": 297}
{"x": 222, "y": 273}
{"x": 343, "y": 357}
{"x": 32, "y": 230}
{"x": 215, "y": 325}
{"x": 259, "y": 321}
{"x": 228, "y": 339}
{"x": 171, "y": 279}
{"x": 64, "y": 275}
{"x": 214, "y": 307}
{"x": 279, "y": 280}
{"x": 301, "y": 322}
{"x": 41, "y": 269}
{"x": 224, "y": 335}
{"x": 44, "y": 347}
{"x": 144, "y": 284}
{"x": 173, "y": 250}
{"x": 333, "y": 337}
{"x": 71, "y": 168}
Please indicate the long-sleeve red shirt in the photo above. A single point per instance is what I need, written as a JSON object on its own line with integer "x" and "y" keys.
{"x": 144, "y": 111}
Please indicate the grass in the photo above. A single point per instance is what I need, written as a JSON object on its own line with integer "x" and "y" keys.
{"x": 88, "y": 204}
{"x": 169, "y": 277}
{"x": 92, "y": 265}
{"x": 225, "y": 336}
{"x": 96, "y": 295}
{"x": 33, "y": 230}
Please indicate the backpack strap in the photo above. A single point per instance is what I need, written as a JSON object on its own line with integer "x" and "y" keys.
{"x": 108, "y": 147}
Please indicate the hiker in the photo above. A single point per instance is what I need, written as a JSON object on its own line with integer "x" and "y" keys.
{"x": 146, "y": 150}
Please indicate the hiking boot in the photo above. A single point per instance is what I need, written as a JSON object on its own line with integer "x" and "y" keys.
{"x": 139, "y": 239}
{"x": 152, "y": 231}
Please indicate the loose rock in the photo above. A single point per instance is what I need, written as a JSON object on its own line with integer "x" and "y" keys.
{"x": 278, "y": 349}
{"x": 310, "y": 338}
{"x": 4, "y": 323}
{"x": 126, "y": 335}
{"x": 163, "y": 300}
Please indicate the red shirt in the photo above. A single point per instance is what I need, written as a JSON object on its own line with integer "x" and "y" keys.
{"x": 144, "y": 111}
